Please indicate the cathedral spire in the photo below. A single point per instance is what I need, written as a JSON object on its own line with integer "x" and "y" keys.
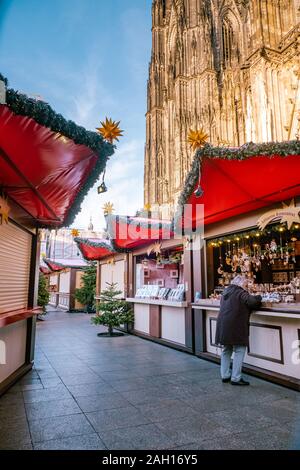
{"x": 91, "y": 226}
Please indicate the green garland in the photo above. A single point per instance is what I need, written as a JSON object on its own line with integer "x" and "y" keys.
{"x": 61, "y": 265}
{"x": 131, "y": 221}
{"x": 148, "y": 224}
{"x": 269, "y": 149}
{"x": 250, "y": 149}
{"x": 44, "y": 115}
{"x": 88, "y": 242}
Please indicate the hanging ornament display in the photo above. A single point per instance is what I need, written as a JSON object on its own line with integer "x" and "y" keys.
{"x": 4, "y": 210}
{"x": 108, "y": 208}
{"x": 102, "y": 188}
{"x": 110, "y": 130}
{"x": 197, "y": 138}
{"x": 273, "y": 246}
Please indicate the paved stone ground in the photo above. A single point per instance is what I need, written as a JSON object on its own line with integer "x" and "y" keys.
{"x": 87, "y": 392}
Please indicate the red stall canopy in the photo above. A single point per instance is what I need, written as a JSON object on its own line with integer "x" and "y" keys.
{"x": 94, "y": 249}
{"x": 127, "y": 232}
{"x": 60, "y": 264}
{"x": 47, "y": 164}
{"x": 44, "y": 269}
{"x": 234, "y": 186}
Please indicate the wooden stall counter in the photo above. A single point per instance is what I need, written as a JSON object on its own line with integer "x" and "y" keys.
{"x": 160, "y": 319}
{"x": 16, "y": 330}
{"x": 274, "y": 351}
{"x": 18, "y": 315}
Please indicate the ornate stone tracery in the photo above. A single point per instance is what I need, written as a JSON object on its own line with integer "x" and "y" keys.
{"x": 229, "y": 66}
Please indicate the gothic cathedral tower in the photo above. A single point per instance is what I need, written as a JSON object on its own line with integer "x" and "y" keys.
{"x": 229, "y": 66}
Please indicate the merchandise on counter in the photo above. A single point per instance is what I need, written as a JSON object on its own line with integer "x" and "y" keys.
{"x": 153, "y": 291}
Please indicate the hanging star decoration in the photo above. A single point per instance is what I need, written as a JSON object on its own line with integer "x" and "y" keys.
{"x": 147, "y": 207}
{"x": 4, "y": 210}
{"x": 291, "y": 215}
{"x": 75, "y": 232}
{"x": 108, "y": 208}
{"x": 110, "y": 130}
{"x": 197, "y": 138}
{"x": 155, "y": 248}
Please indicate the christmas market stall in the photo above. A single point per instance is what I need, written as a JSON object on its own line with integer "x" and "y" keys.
{"x": 47, "y": 166}
{"x": 251, "y": 226}
{"x": 158, "y": 277}
{"x": 64, "y": 279}
{"x": 110, "y": 263}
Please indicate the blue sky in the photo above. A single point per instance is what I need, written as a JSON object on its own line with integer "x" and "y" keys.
{"x": 88, "y": 59}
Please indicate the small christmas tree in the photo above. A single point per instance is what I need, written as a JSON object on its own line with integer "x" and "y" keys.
{"x": 86, "y": 294}
{"x": 43, "y": 294}
{"x": 112, "y": 311}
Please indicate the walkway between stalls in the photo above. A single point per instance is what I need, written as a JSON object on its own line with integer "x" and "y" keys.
{"x": 87, "y": 392}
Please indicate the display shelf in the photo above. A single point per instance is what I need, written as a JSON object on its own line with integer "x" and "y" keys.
{"x": 166, "y": 303}
{"x": 281, "y": 310}
{"x": 18, "y": 315}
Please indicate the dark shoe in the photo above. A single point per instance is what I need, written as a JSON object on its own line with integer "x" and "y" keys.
{"x": 225, "y": 381}
{"x": 240, "y": 382}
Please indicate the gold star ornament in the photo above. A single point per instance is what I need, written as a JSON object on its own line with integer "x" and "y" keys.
{"x": 197, "y": 138}
{"x": 4, "y": 210}
{"x": 75, "y": 232}
{"x": 108, "y": 208}
{"x": 110, "y": 130}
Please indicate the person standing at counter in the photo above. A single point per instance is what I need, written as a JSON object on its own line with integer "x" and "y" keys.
{"x": 232, "y": 331}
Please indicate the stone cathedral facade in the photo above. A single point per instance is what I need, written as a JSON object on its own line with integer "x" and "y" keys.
{"x": 228, "y": 66}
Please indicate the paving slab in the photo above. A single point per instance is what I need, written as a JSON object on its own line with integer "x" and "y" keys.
{"x": 86, "y": 392}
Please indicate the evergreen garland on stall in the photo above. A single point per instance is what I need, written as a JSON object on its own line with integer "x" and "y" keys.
{"x": 62, "y": 266}
{"x": 269, "y": 149}
{"x": 44, "y": 115}
{"x": 113, "y": 220}
{"x": 94, "y": 244}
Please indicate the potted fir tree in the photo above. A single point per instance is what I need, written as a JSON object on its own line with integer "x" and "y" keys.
{"x": 112, "y": 311}
{"x": 43, "y": 294}
{"x": 86, "y": 293}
